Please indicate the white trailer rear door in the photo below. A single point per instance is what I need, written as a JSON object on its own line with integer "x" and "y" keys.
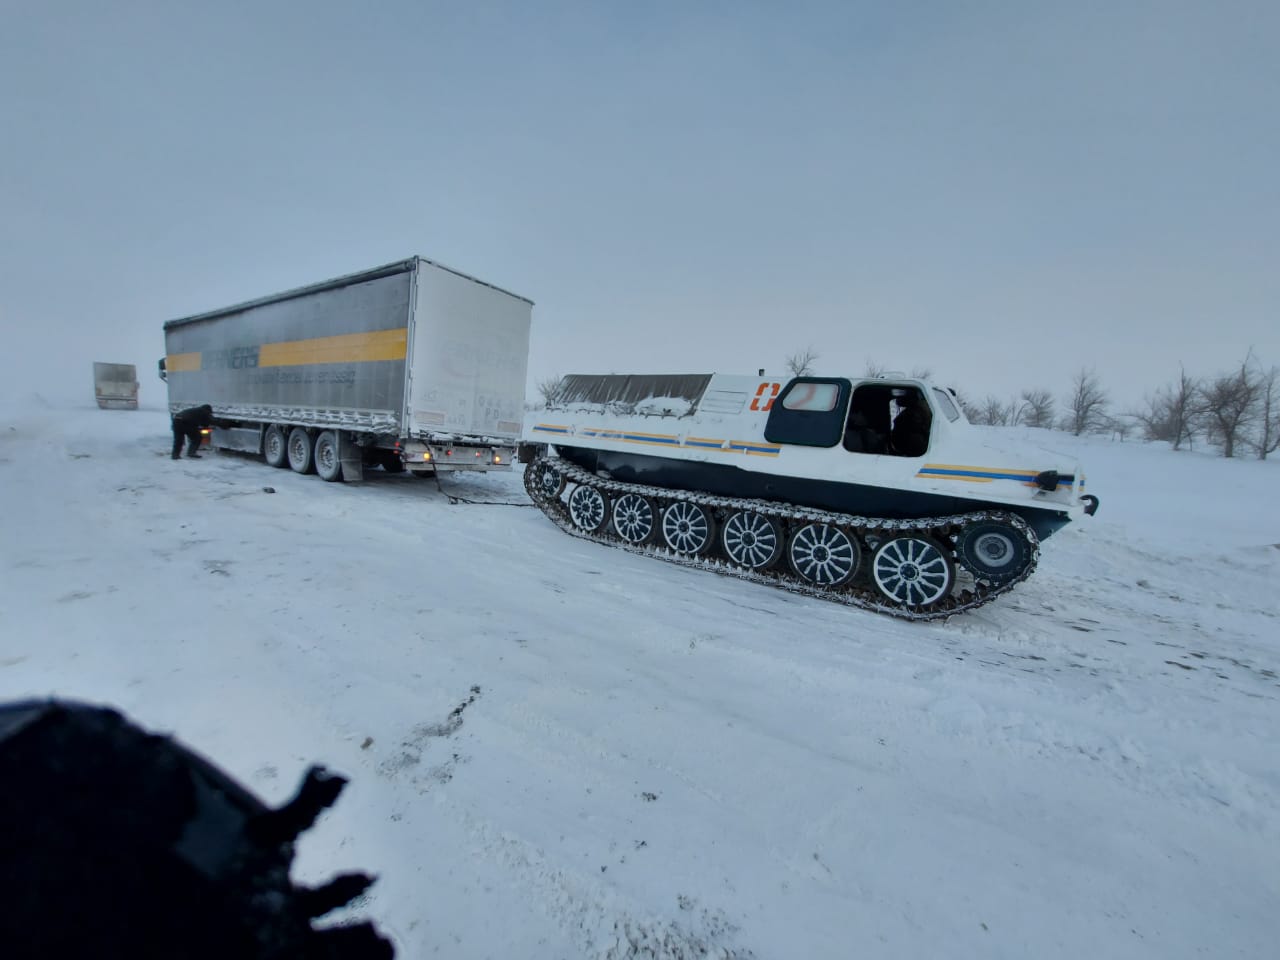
{"x": 470, "y": 356}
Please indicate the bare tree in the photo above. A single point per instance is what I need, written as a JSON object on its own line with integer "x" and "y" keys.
{"x": 1087, "y": 403}
{"x": 921, "y": 373}
{"x": 1036, "y": 409}
{"x": 1119, "y": 427}
{"x": 1268, "y": 440}
{"x": 873, "y": 370}
{"x": 801, "y": 364}
{"x": 1230, "y": 403}
{"x": 548, "y": 387}
{"x": 1173, "y": 414}
{"x": 994, "y": 412}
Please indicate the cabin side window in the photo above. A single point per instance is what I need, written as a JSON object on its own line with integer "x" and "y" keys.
{"x": 946, "y": 404}
{"x": 888, "y": 419}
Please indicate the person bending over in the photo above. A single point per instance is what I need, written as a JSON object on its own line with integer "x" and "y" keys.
{"x": 188, "y": 425}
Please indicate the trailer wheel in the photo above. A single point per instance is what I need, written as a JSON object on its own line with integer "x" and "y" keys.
{"x": 301, "y": 455}
{"x": 275, "y": 446}
{"x": 328, "y": 463}
{"x": 392, "y": 463}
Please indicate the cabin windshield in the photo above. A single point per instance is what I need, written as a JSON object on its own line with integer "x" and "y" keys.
{"x": 889, "y": 419}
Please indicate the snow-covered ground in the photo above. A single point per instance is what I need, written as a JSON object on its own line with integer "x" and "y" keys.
{"x": 657, "y": 758}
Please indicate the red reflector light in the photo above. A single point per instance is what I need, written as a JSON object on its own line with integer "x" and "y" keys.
{"x": 448, "y": 453}
{"x": 477, "y": 453}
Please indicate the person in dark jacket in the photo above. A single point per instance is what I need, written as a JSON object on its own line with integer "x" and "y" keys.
{"x": 860, "y": 436}
{"x": 910, "y": 436}
{"x": 188, "y": 424}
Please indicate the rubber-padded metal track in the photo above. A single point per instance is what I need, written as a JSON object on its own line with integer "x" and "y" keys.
{"x": 968, "y": 592}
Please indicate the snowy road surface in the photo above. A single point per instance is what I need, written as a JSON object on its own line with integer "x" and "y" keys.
{"x": 663, "y": 759}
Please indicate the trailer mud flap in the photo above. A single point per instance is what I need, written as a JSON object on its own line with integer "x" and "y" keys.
{"x": 352, "y": 458}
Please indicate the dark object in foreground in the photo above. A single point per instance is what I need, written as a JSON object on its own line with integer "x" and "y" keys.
{"x": 118, "y": 843}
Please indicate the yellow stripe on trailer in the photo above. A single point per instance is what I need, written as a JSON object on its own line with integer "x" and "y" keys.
{"x": 344, "y": 348}
{"x": 182, "y": 362}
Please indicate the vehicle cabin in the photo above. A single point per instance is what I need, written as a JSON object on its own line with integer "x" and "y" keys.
{"x": 880, "y": 417}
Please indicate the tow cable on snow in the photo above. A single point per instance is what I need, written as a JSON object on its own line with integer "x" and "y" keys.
{"x": 479, "y": 503}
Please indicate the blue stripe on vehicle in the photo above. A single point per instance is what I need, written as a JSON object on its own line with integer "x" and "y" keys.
{"x": 989, "y": 475}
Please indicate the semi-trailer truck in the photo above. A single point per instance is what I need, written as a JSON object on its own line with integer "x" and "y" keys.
{"x": 411, "y": 365}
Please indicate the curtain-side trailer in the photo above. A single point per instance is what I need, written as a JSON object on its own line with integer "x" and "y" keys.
{"x": 409, "y": 365}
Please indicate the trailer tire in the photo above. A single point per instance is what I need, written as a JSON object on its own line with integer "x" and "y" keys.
{"x": 328, "y": 462}
{"x": 392, "y": 463}
{"x": 301, "y": 454}
{"x": 275, "y": 446}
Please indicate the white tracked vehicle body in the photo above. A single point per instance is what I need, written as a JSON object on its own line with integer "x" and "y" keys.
{"x": 876, "y": 493}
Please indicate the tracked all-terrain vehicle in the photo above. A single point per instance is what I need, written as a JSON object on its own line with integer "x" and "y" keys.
{"x": 875, "y": 493}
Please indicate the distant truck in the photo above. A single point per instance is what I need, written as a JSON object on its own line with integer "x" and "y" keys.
{"x": 411, "y": 365}
{"x": 115, "y": 385}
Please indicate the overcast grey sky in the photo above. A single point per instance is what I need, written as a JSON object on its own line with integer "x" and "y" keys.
{"x": 1002, "y": 192}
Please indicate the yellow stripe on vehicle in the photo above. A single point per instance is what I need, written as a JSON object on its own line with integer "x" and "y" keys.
{"x": 182, "y": 362}
{"x": 978, "y": 470}
{"x": 937, "y": 471}
{"x": 753, "y": 448}
{"x": 344, "y": 348}
{"x": 705, "y": 443}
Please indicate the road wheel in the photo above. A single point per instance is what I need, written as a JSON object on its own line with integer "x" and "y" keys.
{"x": 635, "y": 518}
{"x": 275, "y": 446}
{"x": 751, "y": 540}
{"x": 328, "y": 463}
{"x": 301, "y": 455}
{"x": 912, "y": 571}
{"x": 588, "y": 508}
{"x": 550, "y": 481}
{"x": 688, "y": 528}
{"x": 823, "y": 555}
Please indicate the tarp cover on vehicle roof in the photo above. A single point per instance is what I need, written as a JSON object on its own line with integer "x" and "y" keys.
{"x": 622, "y": 391}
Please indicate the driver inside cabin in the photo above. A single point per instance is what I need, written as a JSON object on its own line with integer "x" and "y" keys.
{"x": 874, "y": 426}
